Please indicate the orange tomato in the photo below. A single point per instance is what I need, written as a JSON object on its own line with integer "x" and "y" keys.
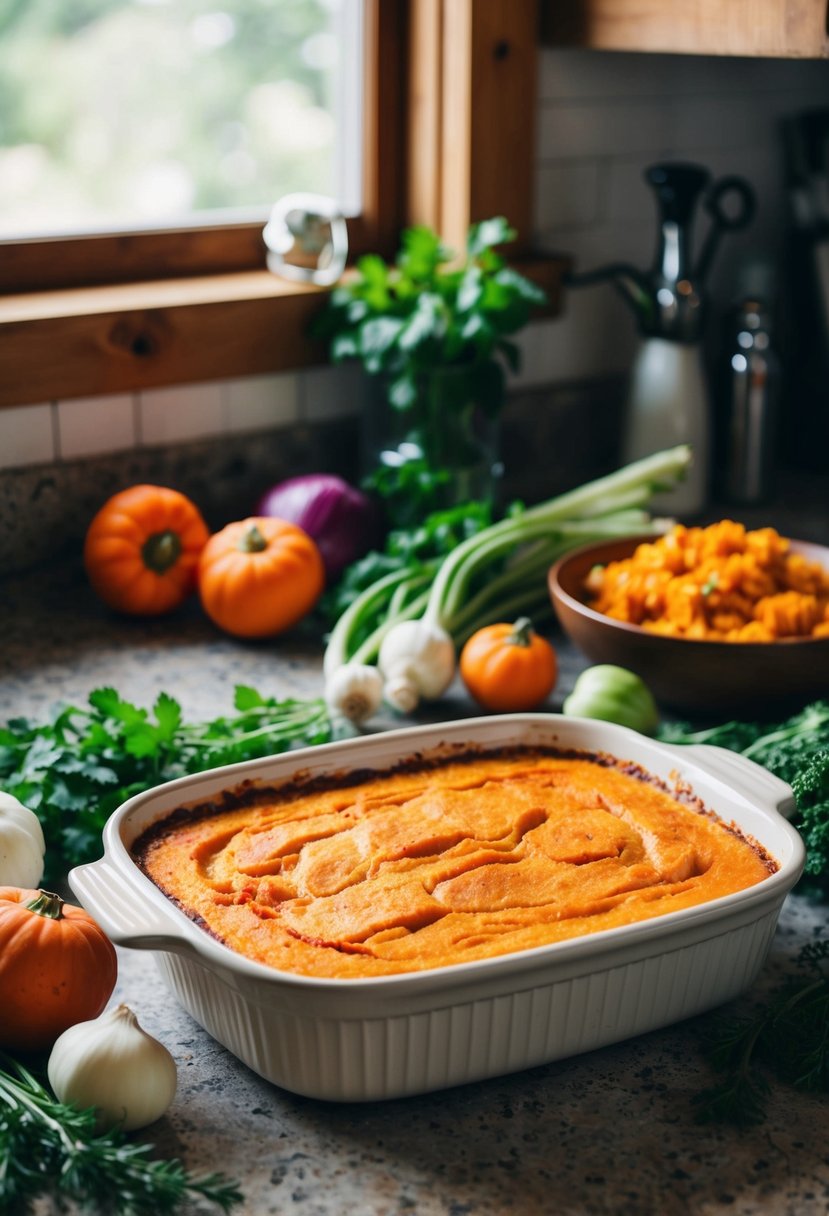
{"x": 509, "y": 668}
{"x": 259, "y": 576}
{"x": 142, "y": 549}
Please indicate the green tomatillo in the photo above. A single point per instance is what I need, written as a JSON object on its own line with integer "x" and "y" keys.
{"x": 613, "y": 694}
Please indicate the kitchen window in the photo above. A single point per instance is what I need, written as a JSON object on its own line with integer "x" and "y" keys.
{"x": 447, "y": 134}
{"x": 129, "y": 114}
{"x": 289, "y": 125}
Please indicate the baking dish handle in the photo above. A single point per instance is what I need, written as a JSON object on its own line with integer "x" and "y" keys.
{"x": 745, "y": 775}
{"x": 124, "y": 913}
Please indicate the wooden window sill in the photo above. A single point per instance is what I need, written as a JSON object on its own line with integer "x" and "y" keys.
{"x": 84, "y": 342}
{"x": 88, "y": 341}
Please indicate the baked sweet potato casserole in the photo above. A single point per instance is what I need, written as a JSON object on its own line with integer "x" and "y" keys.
{"x": 442, "y": 862}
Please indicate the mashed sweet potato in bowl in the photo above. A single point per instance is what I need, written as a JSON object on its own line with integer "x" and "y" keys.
{"x": 713, "y": 619}
{"x": 425, "y": 907}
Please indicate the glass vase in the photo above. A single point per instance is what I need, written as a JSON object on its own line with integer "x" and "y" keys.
{"x": 440, "y": 451}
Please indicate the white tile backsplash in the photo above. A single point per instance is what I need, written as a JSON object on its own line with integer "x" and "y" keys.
{"x": 27, "y": 436}
{"x": 594, "y": 129}
{"x": 612, "y": 115}
{"x": 255, "y": 403}
{"x": 595, "y": 337}
{"x": 174, "y": 415}
{"x": 569, "y": 194}
{"x": 90, "y": 426}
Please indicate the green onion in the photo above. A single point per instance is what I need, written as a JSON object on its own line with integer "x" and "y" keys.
{"x": 496, "y": 574}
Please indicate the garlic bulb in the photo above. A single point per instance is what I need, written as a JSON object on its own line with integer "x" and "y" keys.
{"x": 112, "y": 1064}
{"x": 417, "y": 659}
{"x": 21, "y": 844}
{"x": 355, "y": 691}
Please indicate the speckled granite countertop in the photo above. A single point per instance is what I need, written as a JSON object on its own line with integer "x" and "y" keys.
{"x": 609, "y": 1132}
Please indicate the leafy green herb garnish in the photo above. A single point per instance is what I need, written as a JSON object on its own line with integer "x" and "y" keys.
{"x": 787, "y": 1037}
{"x": 50, "y": 1148}
{"x": 76, "y": 768}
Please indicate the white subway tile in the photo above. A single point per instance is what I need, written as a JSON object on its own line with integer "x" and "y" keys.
{"x": 592, "y": 247}
{"x": 257, "y": 402}
{"x": 629, "y": 198}
{"x": 568, "y": 194}
{"x": 723, "y": 122}
{"x": 595, "y": 336}
{"x": 331, "y": 392}
{"x": 692, "y": 76}
{"x": 27, "y": 436}
{"x": 575, "y": 130}
{"x": 89, "y": 426}
{"x": 188, "y": 411}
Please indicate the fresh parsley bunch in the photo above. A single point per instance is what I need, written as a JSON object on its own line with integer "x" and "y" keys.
{"x": 77, "y": 767}
{"x": 434, "y": 332}
{"x": 430, "y": 311}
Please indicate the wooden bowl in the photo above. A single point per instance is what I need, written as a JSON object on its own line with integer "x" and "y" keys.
{"x": 705, "y": 677}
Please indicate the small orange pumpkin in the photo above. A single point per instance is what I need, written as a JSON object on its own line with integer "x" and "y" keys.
{"x": 509, "y": 668}
{"x": 142, "y": 549}
{"x": 259, "y": 576}
{"x": 57, "y": 967}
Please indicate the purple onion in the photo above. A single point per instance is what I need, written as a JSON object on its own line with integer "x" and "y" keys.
{"x": 342, "y": 520}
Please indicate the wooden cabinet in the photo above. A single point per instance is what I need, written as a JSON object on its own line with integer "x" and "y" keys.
{"x": 795, "y": 29}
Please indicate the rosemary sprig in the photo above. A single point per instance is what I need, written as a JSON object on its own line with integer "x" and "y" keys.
{"x": 49, "y": 1147}
{"x": 788, "y": 1037}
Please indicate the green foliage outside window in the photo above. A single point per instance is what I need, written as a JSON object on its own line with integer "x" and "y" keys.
{"x": 136, "y": 110}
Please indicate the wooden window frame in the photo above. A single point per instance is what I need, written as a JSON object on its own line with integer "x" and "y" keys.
{"x": 449, "y": 137}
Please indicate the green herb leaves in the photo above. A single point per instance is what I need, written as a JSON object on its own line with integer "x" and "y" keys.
{"x": 47, "y": 1147}
{"x": 74, "y": 769}
{"x": 434, "y": 331}
{"x": 429, "y": 311}
{"x": 788, "y": 1037}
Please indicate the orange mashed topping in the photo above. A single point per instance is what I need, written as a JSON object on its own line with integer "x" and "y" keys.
{"x": 425, "y": 867}
{"x": 720, "y": 583}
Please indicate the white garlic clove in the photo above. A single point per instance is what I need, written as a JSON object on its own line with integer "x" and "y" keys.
{"x": 22, "y": 846}
{"x": 425, "y": 651}
{"x": 112, "y": 1064}
{"x": 355, "y": 691}
{"x": 401, "y": 693}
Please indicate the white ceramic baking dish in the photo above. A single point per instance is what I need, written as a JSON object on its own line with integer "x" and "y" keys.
{"x": 358, "y": 1040}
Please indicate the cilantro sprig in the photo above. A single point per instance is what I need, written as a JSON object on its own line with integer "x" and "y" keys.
{"x": 76, "y": 767}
